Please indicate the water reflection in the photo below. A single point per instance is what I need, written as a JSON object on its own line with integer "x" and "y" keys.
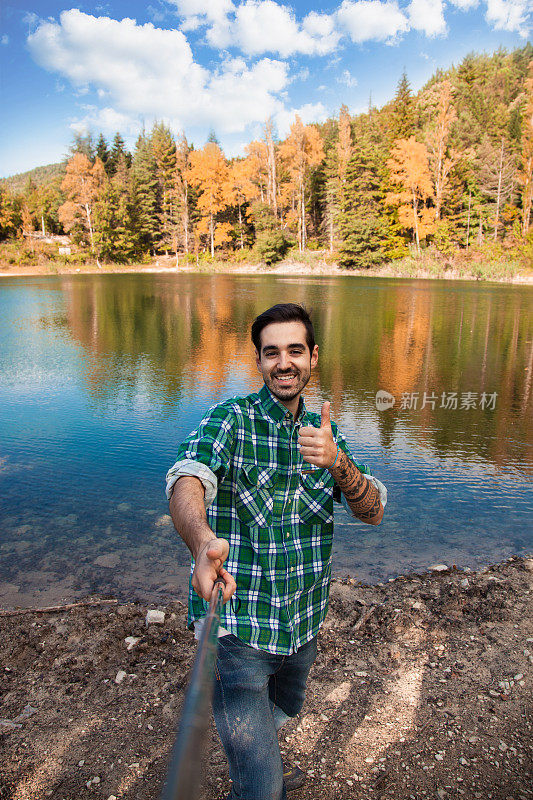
{"x": 191, "y": 336}
{"x": 100, "y": 377}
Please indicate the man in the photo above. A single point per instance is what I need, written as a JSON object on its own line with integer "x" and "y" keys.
{"x": 266, "y": 470}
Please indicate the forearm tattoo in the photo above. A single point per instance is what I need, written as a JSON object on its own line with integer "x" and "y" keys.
{"x": 361, "y": 495}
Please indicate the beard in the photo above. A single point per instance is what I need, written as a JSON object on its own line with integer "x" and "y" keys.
{"x": 293, "y": 387}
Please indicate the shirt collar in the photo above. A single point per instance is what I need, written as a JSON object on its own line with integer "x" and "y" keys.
{"x": 277, "y": 410}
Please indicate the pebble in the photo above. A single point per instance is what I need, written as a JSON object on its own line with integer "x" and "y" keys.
{"x": 123, "y": 507}
{"x": 518, "y": 677}
{"x": 439, "y": 568}
{"x": 120, "y": 676}
{"x": 154, "y": 617}
{"x": 131, "y": 641}
{"x": 464, "y": 583}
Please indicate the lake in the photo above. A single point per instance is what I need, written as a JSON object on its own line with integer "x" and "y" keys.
{"x": 102, "y": 376}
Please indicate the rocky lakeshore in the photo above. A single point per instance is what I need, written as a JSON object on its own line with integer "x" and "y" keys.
{"x": 422, "y": 689}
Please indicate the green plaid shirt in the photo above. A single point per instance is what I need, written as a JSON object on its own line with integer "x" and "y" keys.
{"x": 277, "y": 519}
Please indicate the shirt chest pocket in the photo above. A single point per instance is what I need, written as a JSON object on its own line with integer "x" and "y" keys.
{"x": 254, "y": 499}
{"x": 316, "y": 498}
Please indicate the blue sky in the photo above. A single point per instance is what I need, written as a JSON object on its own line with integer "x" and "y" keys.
{"x": 222, "y": 65}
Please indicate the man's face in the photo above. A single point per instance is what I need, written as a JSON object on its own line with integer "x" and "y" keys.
{"x": 285, "y": 361}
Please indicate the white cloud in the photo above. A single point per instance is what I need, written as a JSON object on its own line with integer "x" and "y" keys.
{"x": 366, "y": 20}
{"x": 149, "y": 72}
{"x": 213, "y": 13}
{"x": 347, "y": 79}
{"x": 510, "y": 15}
{"x": 265, "y": 26}
{"x": 427, "y": 16}
{"x": 259, "y": 26}
{"x": 5, "y": 39}
{"x": 106, "y": 120}
{"x": 310, "y": 112}
{"x": 464, "y": 5}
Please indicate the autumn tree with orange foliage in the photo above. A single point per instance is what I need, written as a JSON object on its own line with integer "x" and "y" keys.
{"x": 241, "y": 190}
{"x": 440, "y": 159}
{"x": 209, "y": 172}
{"x": 300, "y": 152}
{"x": 409, "y": 171}
{"x": 526, "y": 173}
{"x": 82, "y": 185}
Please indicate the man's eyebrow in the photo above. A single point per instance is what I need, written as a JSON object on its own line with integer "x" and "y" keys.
{"x": 275, "y": 347}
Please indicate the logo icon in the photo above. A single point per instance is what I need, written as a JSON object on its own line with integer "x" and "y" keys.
{"x": 384, "y": 400}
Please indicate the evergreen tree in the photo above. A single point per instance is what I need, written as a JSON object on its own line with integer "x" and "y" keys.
{"x": 402, "y": 124}
{"x": 164, "y": 150}
{"x": 118, "y": 149}
{"x": 114, "y": 237}
{"x": 146, "y": 207}
{"x": 362, "y": 226}
{"x": 102, "y": 151}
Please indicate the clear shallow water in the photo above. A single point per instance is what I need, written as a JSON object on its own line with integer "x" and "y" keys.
{"x": 101, "y": 377}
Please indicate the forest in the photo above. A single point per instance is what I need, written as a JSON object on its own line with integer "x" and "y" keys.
{"x": 447, "y": 171}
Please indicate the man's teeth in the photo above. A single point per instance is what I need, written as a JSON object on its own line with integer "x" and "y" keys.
{"x": 285, "y": 377}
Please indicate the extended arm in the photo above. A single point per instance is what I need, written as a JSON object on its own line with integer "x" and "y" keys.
{"x": 361, "y": 495}
{"x": 187, "y": 510}
{"x": 318, "y": 447}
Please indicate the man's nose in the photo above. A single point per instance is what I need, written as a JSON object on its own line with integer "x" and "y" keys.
{"x": 284, "y": 361}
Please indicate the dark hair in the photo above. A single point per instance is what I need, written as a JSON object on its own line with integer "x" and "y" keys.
{"x": 283, "y": 312}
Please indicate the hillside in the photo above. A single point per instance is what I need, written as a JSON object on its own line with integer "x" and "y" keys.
{"x": 40, "y": 176}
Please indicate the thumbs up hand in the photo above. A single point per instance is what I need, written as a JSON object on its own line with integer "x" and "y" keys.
{"x": 317, "y": 445}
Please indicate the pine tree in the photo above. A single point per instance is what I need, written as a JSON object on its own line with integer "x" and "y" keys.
{"x": 114, "y": 236}
{"x": 164, "y": 150}
{"x": 118, "y": 149}
{"x": 402, "y": 124}
{"x": 362, "y": 226}
{"x": 146, "y": 207}
{"x": 102, "y": 151}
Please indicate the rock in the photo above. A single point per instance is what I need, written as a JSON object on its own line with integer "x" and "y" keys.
{"x": 26, "y": 712}
{"x": 131, "y": 641}
{"x": 109, "y": 560}
{"x": 22, "y": 529}
{"x": 154, "y": 617}
{"x": 123, "y": 507}
{"x": 464, "y": 583}
{"x": 439, "y": 568}
{"x": 163, "y": 521}
{"x": 120, "y": 676}
{"x": 518, "y": 677}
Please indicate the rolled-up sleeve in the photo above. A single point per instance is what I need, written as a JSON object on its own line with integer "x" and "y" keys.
{"x": 205, "y": 453}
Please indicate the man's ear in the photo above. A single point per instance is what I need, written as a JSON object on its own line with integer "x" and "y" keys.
{"x": 258, "y": 361}
{"x": 314, "y": 356}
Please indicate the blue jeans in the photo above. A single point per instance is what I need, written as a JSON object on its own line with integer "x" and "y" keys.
{"x": 255, "y": 692}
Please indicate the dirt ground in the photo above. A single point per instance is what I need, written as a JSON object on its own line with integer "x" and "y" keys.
{"x": 422, "y": 689}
